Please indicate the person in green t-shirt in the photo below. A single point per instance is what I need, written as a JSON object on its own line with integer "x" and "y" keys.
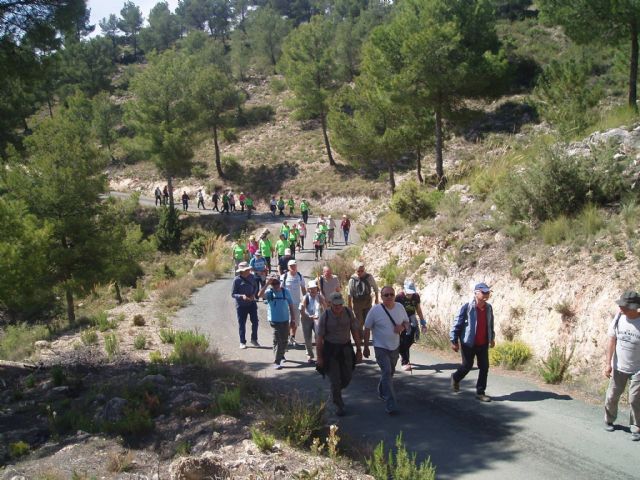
{"x": 304, "y": 210}
{"x": 281, "y": 207}
{"x": 293, "y": 239}
{"x": 284, "y": 229}
{"x": 291, "y": 204}
{"x": 281, "y": 245}
{"x": 239, "y": 253}
{"x": 248, "y": 202}
{"x": 266, "y": 248}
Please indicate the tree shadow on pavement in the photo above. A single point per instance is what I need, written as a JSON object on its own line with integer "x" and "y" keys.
{"x": 531, "y": 396}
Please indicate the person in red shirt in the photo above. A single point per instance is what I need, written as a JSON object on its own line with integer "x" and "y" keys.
{"x": 472, "y": 334}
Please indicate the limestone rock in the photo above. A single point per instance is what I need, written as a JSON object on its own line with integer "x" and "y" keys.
{"x": 197, "y": 468}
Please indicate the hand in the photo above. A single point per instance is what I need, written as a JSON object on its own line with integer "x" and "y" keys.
{"x": 358, "y": 356}
{"x": 455, "y": 347}
{"x": 607, "y": 371}
{"x": 492, "y": 344}
{"x": 423, "y": 329}
{"x": 399, "y": 328}
{"x": 365, "y": 352}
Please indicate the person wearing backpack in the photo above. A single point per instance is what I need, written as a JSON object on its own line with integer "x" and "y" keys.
{"x": 361, "y": 285}
{"x": 622, "y": 363}
{"x": 345, "y": 226}
{"x": 158, "y": 195}
{"x": 311, "y": 309}
{"x": 334, "y": 350}
{"x": 410, "y": 300}
{"x": 280, "y": 312}
{"x": 473, "y": 334}
{"x": 386, "y": 320}
{"x": 293, "y": 281}
{"x": 328, "y": 282}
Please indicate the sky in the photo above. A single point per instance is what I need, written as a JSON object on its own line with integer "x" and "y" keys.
{"x": 102, "y": 8}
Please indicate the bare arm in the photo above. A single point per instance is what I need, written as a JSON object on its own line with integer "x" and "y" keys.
{"x": 356, "y": 338}
{"x": 367, "y": 335}
{"x": 611, "y": 348}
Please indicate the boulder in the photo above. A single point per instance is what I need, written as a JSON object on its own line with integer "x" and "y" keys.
{"x": 197, "y": 468}
{"x": 113, "y": 411}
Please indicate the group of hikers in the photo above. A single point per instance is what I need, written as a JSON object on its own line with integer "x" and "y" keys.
{"x": 391, "y": 322}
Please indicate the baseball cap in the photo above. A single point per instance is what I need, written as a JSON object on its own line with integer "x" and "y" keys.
{"x": 287, "y": 251}
{"x": 336, "y": 298}
{"x": 291, "y": 262}
{"x": 258, "y": 253}
{"x": 409, "y": 288}
{"x": 312, "y": 284}
{"x": 483, "y": 287}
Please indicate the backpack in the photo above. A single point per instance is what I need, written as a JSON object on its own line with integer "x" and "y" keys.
{"x": 361, "y": 287}
{"x": 284, "y": 278}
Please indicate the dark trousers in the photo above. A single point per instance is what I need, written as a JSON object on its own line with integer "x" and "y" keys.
{"x": 406, "y": 340}
{"x": 305, "y": 216}
{"x": 468, "y": 355}
{"x": 340, "y": 372}
{"x": 242, "y": 311}
{"x": 280, "y": 339}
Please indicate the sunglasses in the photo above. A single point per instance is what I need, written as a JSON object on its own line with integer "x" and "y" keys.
{"x": 388, "y": 294}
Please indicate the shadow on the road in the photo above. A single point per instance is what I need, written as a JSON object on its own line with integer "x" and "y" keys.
{"x": 460, "y": 434}
{"x": 438, "y": 367}
{"x": 531, "y": 396}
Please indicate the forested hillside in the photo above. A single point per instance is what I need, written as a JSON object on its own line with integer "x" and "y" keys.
{"x": 310, "y": 98}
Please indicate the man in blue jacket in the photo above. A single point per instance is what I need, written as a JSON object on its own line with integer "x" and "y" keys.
{"x": 245, "y": 290}
{"x": 473, "y": 331}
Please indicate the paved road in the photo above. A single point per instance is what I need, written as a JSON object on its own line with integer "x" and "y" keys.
{"x": 525, "y": 433}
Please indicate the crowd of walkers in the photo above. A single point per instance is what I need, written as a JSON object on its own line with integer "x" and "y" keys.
{"x": 389, "y": 321}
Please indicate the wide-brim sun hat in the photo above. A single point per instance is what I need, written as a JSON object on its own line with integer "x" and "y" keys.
{"x": 243, "y": 267}
{"x": 629, "y": 299}
{"x": 409, "y": 288}
{"x": 312, "y": 284}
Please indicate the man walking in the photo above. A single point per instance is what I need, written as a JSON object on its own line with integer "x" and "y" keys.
{"x": 361, "y": 285}
{"x": 387, "y": 321}
{"x": 622, "y": 363}
{"x": 473, "y": 330}
{"x": 410, "y": 300}
{"x": 245, "y": 290}
{"x": 328, "y": 282}
{"x": 334, "y": 351}
{"x": 279, "y": 312}
{"x": 293, "y": 281}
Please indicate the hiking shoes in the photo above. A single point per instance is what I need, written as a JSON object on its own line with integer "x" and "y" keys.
{"x": 483, "y": 398}
{"x": 243, "y": 346}
{"x": 635, "y": 436}
{"x": 455, "y": 386}
{"x": 277, "y": 366}
{"x": 406, "y": 367}
{"x": 254, "y": 343}
{"x": 609, "y": 427}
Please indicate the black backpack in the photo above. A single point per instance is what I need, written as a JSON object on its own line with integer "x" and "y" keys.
{"x": 361, "y": 287}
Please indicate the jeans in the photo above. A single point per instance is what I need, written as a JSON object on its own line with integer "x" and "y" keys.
{"x": 617, "y": 384}
{"x": 387, "y": 360}
{"x": 468, "y": 354}
{"x": 280, "y": 339}
{"x": 346, "y": 236}
{"x": 360, "y": 310}
{"x": 252, "y": 311}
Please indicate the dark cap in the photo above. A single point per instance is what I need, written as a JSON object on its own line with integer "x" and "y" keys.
{"x": 483, "y": 287}
{"x": 629, "y": 299}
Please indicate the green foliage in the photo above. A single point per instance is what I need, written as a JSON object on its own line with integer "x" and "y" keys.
{"x": 16, "y": 341}
{"x": 169, "y": 230}
{"x": 556, "y": 184}
{"x": 102, "y": 323}
{"x": 413, "y": 202}
{"x": 229, "y": 402}
{"x": 587, "y": 224}
{"x": 136, "y": 421}
{"x": 156, "y": 357}
{"x": 18, "y": 449}
{"x": 263, "y": 441}
{"x": 554, "y": 367}
{"x": 163, "y": 30}
{"x": 401, "y": 466}
{"x": 556, "y": 231}
{"x": 510, "y": 354}
{"x": 391, "y": 273}
{"x": 139, "y": 294}
{"x": 89, "y": 337}
{"x": 386, "y": 226}
{"x": 277, "y": 85}
{"x": 167, "y": 335}
{"x": 183, "y": 449}
{"x": 266, "y": 30}
{"x": 111, "y": 345}
{"x": 299, "y": 420}
{"x": 58, "y": 376}
{"x": 140, "y": 342}
{"x": 190, "y": 348}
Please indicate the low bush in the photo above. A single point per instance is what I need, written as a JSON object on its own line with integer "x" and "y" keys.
{"x": 119, "y": 462}
{"x": 175, "y": 293}
{"x": 298, "y": 420}
{"x": 102, "y": 323}
{"x": 58, "y": 377}
{"x": 89, "y": 337}
{"x": 437, "y": 336}
{"x": 169, "y": 231}
{"x": 191, "y": 348}
{"x": 556, "y": 231}
{"x": 136, "y": 421}
{"x": 111, "y": 345}
{"x": 138, "y": 320}
{"x": 413, "y": 202}
{"x": 167, "y": 335}
{"x": 17, "y": 341}
{"x": 277, "y": 85}
{"x": 554, "y": 367}
{"x": 399, "y": 465}
{"x": 387, "y": 226}
{"x": 140, "y": 342}
{"x": 229, "y": 401}
{"x": 510, "y": 354}
{"x": 217, "y": 259}
{"x": 18, "y": 449}
{"x": 156, "y": 357}
{"x": 391, "y": 273}
{"x": 565, "y": 309}
{"x": 139, "y": 294}
{"x": 263, "y": 441}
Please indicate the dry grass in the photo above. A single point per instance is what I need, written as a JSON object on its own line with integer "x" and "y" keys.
{"x": 216, "y": 259}
{"x": 174, "y": 294}
{"x": 119, "y": 462}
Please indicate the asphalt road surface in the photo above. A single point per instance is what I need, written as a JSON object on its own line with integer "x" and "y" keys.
{"x": 526, "y": 432}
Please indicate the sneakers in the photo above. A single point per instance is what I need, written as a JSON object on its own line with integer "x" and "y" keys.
{"x": 243, "y": 346}
{"x": 483, "y": 398}
{"x": 635, "y": 437}
{"x": 277, "y": 366}
{"x": 292, "y": 342}
{"x": 310, "y": 359}
{"x": 406, "y": 367}
{"x": 254, "y": 343}
{"x": 609, "y": 427}
{"x": 455, "y": 386}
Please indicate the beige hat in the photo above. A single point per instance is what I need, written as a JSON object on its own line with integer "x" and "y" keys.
{"x": 336, "y": 298}
{"x": 243, "y": 267}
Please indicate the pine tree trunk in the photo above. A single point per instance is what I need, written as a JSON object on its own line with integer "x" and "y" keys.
{"x": 217, "y": 152}
{"x": 323, "y": 120}
{"x": 419, "y": 164}
{"x": 116, "y": 286}
{"x": 633, "y": 66}
{"x": 170, "y": 188}
{"x": 71, "y": 313}
{"x": 392, "y": 177}
{"x": 439, "y": 146}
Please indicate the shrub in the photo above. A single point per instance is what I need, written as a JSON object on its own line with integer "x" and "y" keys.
{"x": 232, "y": 168}
{"x": 136, "y": 421}
{"x": 386, "y": 226}
{"x": 102, "y": 323}
{"x": 556, "y": 231}
{"x": 510, "y": 354}
{"x": 413, "y": 202}
{"x": 172, "y": 294}
{"x": 167, "y": 335}
{"x": 169, "y": 230}
{"x": 89, "y": 337}
{"x": 138, "y": 320}
{"x": 197, "y": 245}
{"x": 58, "y": 377}
{"x": 17, "y": 341}
{"x": 18, "y": 449}
{"x": 140, "y": 342}
{"x": 229, "y": 402}
{"x": 554, "y": 367}
{"x": 139, "y": 293}
{"x": 119, "y": 462}
{"x": 156, "y": 357}
{"x": 230, "y": 135}
{"x": 299, "y": 420}
{"x": 183, "y": 449}
{"x": 619, "y": 255}
{"x": 263, "y": 441}
{"x": 391, "y": 272}
{"x": 190, "y": 348}
{"x": 217, "y": 258}
{"x": 589, "y": 221}
{"x": 111, "y": 345}
{"x": 565, "y": 309}
{"x": 277, "y": 85}
{"x": 402, "y": 465}
{"x": 437, "y": 335}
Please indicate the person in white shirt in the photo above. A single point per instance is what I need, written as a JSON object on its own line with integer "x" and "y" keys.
{"x": 312, "y": 306}
{"x": 293, "y": 281}
{"x": 387, "y": 321}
